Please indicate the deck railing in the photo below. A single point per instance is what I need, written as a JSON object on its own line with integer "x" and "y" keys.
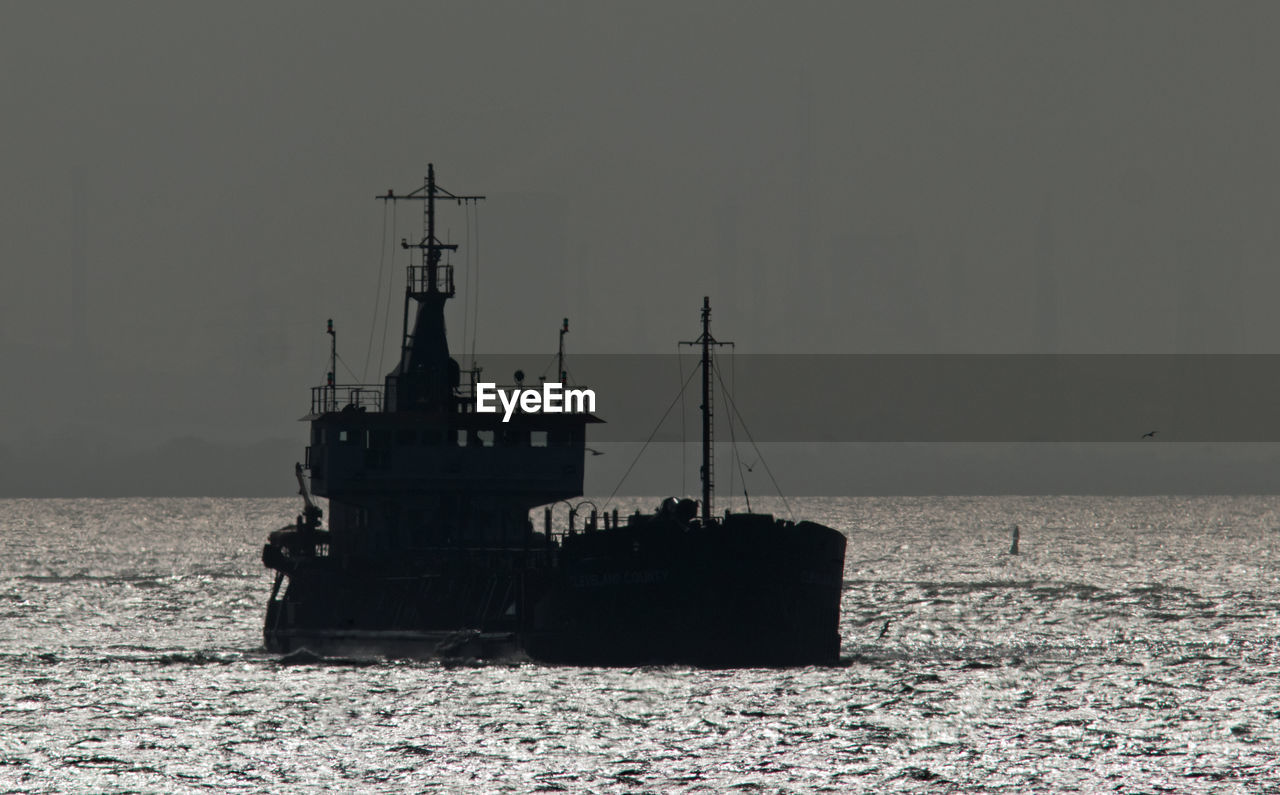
{"x": 370, "y": 397}
{"x": 360, "y": 397}
{"x": 419, "y": 277}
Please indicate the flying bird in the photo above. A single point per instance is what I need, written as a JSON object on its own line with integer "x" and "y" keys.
{"x": 1150, "y": 435}
{"x": 594, "y": 452}
{"x": 885, "y": 629}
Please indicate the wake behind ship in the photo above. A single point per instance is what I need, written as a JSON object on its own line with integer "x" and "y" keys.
{"x": 430, "y": 550}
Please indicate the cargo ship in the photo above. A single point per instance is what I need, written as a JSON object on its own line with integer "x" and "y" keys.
{"x": 430, "y": 549}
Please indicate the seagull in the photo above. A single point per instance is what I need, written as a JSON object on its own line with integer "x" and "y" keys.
{"x": 885, "y": 629}
{"x": 594, "y": 452}
{"x": 1150, "y": 435}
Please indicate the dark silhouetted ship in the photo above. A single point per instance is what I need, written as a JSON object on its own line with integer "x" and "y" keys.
{"x": 430, "y": 549}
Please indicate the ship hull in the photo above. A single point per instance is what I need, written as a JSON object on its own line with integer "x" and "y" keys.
{"x": 717, "y": 597}
{"x": 762, "y": 595}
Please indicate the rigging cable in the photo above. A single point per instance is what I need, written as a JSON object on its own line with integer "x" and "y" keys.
{"x": 735, "y": 460}
{"x": 684, "y": 449}
{"x": 548, "y": 367}
{"x": 343, "y": 362}
{"x": 386, "y": 313}
{"x": 377, "y": 294}
{"x": 466, "y": 264}
{"x": 650, "y": 439}
{"x": 733, "y": 442}
{"x": 475, "y": 312}
{"x": 733, "y": 382}
{"x": 755, "y": 447}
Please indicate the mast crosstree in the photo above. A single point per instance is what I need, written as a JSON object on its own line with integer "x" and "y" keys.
{"x": 425, "y": 278}
{"x": 426, "y": 375}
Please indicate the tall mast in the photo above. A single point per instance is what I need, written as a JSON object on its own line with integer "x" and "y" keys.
{"x": 426, "y": 374}
{"x": 433, "y": 247}
{"x": 425, "y": 281}
{"x": 705, "y": 341}
{"x": 708, "y": 424}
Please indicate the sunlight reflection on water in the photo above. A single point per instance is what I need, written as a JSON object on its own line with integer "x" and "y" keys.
{"x": 1130, "y": 646}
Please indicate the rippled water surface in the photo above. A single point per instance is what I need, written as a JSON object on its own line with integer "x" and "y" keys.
{"x": 1130, "y": 647}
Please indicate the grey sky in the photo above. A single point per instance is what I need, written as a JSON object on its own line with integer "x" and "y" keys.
{"x": 840, "y": 177}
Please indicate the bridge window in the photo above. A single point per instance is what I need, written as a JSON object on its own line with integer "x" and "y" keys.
{"x": 537, "y": 438}
{"x": 485, "y": 437}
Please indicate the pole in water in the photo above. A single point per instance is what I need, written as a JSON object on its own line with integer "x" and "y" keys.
{"x": 1013, "y": 548}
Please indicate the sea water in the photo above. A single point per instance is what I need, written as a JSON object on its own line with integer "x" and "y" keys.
{"x": 1131, "y": 646}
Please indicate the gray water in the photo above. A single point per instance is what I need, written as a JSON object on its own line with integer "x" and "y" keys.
{"x": 1131, "y": 647}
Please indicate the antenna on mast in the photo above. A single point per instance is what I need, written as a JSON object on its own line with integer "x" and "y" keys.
{"x": 333, "y": 367}
{"x": 560, "y": 371}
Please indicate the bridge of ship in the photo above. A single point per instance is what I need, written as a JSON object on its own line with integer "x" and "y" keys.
{"x": 359, "y": 447}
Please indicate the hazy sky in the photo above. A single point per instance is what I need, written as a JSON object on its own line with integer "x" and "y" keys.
{"x": 839, "y": 177}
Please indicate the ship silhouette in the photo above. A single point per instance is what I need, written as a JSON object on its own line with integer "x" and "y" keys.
{"x": 429, "y": 549}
